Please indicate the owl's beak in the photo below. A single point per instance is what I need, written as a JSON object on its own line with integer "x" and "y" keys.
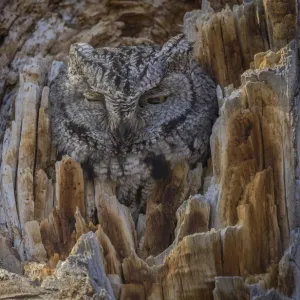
{"x": 123, "y": 131}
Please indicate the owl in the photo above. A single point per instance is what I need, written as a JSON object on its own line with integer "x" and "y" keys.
{"x": 132, "y": 113}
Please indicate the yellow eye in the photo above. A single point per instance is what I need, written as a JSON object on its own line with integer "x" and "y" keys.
{"x": 157, "y": 100}
{"x": 93, "y": 96}
{"x": 144, "y": 100}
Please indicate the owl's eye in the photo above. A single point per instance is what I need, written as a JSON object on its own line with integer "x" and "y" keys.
{"x": 93, "y": 96}
{"x": 156, "y": 100}
{"x": 153, "y": 100}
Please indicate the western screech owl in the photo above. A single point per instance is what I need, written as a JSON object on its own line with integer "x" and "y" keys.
{"x": 133, "y": 112}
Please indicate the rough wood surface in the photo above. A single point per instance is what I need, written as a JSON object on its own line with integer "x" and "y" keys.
{"x": 228, "y": 230}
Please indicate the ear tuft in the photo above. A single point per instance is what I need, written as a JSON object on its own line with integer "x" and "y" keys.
{"x": 177, "y": 44}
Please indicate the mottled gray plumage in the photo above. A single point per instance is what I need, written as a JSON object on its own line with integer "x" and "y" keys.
{"x": 104, "y": 111}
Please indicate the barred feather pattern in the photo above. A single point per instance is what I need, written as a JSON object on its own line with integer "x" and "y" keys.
{"x": 97, "y": 116}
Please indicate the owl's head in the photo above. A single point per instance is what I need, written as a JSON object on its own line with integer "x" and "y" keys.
{"x": 139, "y": 88}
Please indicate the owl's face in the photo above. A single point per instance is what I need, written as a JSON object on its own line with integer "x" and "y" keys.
{"x": 136, "y": 89}
{"x": 113, "y": 104}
